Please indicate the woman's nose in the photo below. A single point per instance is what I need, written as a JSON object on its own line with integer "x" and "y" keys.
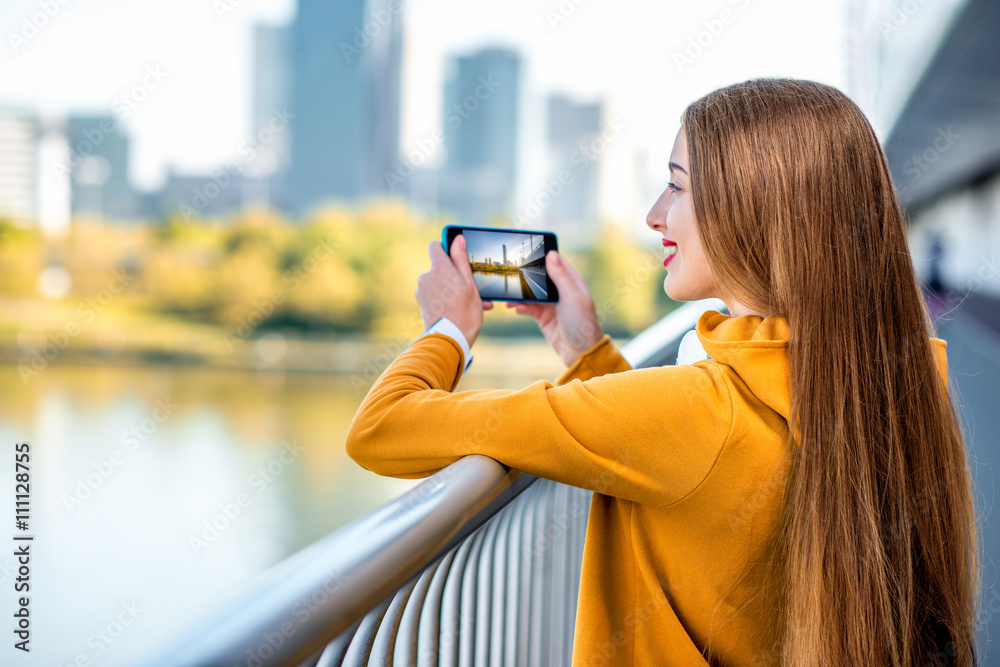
{"x": 654, "y": 219}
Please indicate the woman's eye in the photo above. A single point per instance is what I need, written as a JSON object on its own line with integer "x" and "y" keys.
{"x": 672, "y": 186}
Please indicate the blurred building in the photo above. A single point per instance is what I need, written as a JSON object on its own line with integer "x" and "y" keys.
{"x": 888, "y": 46}
{"x": 99, "y": 168}
{"x": 199, "y": 196}
{"x": 19, "y": 169}
{"x": 271, "y": 88}
{"x": 344, "y": 92}
{"x": 575, "y": 169}
{"x": 943, "y": 144}
{"x": 383, "y": 72}
{"x": 481, "y": 122}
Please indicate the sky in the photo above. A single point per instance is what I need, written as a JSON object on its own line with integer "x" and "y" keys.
{"x": 489, "y": 245}
{"x": 645, "y": 59}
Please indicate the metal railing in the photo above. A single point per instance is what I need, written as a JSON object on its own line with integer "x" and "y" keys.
{"x": 505, "y": 595}
{"x": 479, "y": 564}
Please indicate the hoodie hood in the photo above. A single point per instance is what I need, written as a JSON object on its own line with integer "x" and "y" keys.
{"x": 756, "y": 348}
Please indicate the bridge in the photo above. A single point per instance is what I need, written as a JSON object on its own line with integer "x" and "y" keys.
{"x": 533, "y": 273}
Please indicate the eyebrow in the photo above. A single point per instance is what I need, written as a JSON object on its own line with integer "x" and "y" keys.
{"x": 674, "y": 165}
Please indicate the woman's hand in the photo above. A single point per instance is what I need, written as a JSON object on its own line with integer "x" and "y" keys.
{"x": 448, "y": 290}
{"x": 570, "y": 326}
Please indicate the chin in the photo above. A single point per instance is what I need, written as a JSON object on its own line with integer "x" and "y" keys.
{"x": 673, "y": 291}
{"x": 678, "y": 291}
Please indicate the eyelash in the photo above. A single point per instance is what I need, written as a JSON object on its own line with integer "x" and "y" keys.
{"x": 670, "y": 184}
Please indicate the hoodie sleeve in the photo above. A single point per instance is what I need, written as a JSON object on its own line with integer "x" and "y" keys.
{"x": 650, "y": 435}
{"x": 601, "y": 359}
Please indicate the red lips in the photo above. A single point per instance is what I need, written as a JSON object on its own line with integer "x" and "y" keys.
{"x": 665, "y": 244}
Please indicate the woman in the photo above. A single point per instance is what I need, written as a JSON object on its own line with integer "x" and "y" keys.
{"x": 801, "y": 496}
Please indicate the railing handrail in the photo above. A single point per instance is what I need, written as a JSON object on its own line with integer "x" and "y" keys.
{"x": 289, "y": 612}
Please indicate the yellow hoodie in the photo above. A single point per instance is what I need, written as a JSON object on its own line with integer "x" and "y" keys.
{"x": 686, "y": 463}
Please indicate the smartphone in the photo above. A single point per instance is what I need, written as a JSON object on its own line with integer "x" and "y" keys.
{"x": 507, "y": 264}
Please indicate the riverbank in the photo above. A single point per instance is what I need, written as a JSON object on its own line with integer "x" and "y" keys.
{"x": 35, "y": 334}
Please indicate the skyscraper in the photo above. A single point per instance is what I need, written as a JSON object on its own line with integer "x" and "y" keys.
{"x": 99, "y": 166}
{"x": 19, "y": 132}
{"x": 345, "y": 87}
{"x": 481, "y": 123}
{"x": 383, "y": 67}
{"x": 571, "y": 127}
{"x": 271, "y": 73}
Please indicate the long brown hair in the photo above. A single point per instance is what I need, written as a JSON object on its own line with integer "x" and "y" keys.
{"x": 798, "y": 215}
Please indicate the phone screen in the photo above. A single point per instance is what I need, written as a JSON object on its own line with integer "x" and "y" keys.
{"x": 507, "y": 265}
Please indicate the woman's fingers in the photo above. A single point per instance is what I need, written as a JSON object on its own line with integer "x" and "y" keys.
{"x": 575, "y": 276}
{"x": 563, "y": 275}
{"x": 535, "y": 310}
{"x": 437, "y": 253}
{"x": 460, "y": 258}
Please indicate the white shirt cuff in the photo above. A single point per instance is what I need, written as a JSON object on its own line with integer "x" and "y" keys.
{"x": 450, "y": 329}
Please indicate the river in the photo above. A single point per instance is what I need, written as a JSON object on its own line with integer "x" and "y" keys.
{"x": 157, "y": 491}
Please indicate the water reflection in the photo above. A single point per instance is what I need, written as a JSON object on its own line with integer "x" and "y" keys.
{"x": 497, "y": 285}
{"x": 156, "y": 491}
